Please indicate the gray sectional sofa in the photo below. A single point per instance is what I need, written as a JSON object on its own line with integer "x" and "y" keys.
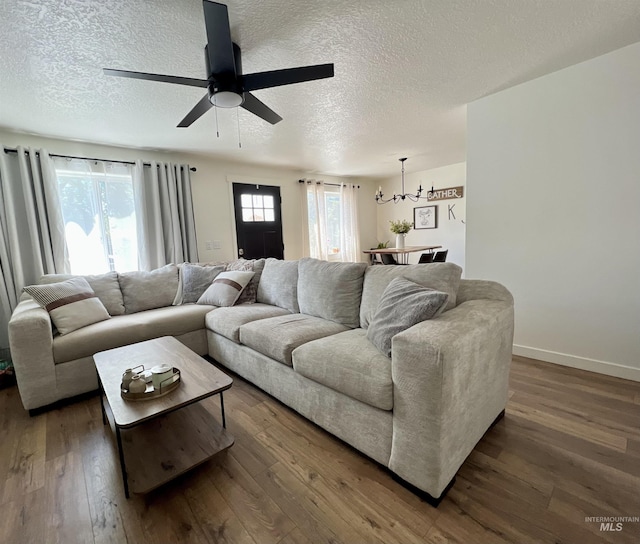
{"x": 419, "y": 412}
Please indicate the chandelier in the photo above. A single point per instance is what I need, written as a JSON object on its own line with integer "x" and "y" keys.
{"x": 402, "y": 196}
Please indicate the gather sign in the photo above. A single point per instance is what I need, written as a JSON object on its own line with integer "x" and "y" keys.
{"x": 446, "y": 193}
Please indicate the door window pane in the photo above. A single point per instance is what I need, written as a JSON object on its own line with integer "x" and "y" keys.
{"x": 257, "y": 208}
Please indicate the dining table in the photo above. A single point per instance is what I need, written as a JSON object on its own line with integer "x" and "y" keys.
{"x": 402, "y": 253}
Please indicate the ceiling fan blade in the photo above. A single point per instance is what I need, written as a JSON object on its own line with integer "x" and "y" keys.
{"x": 191, "y": 81}
{"x": 275, "y": 78}
{"x": 219, "y": 46}
{"x": 255, "y": 106}
{"x": 198, "y": 111}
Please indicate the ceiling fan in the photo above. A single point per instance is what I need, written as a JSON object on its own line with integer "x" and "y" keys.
{"x": 227, "y": 86}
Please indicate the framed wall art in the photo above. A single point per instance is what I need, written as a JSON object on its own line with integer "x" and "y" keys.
{"x": 425, "y": 217}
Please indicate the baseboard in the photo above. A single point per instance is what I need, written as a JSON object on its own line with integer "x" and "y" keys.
{"x": 583, "y": 363}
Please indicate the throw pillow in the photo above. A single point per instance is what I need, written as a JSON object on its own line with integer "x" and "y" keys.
{"x": 250, "y": 292}
{"x": 147, "y": 290}
{"x": 105, "y": 286}
{"x": 226, "y": 288}
{"x": 195, "y": 279}
{"x": 403, "y": 304}
{"x": 72, "y": 304}
{"x": 443, "y": 277}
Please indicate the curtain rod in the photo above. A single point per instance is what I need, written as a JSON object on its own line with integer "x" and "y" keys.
{"x": 12, "y": 150}
{"x": 317, "y": 182}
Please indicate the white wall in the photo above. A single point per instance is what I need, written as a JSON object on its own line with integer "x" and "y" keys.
{"x": 211, "y": 186}
{"x": 450, "y": 233}
{"x": 553, "y": 183}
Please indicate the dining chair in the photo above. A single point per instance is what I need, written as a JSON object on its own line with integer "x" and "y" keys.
{"x": 387, "y": 258}
{"x": 425, "y": 258}
{"x": 440, "y": 256}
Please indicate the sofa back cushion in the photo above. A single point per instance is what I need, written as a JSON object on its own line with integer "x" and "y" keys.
{"x": 279, "y": 284}
{"x": 147, "y": 290}
{"x": 105, "y": 286}
{"x": 331, "y": 290}
{"x": 443, "y": 277}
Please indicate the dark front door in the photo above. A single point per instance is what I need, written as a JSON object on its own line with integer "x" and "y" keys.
{"x": 258, "y": 221}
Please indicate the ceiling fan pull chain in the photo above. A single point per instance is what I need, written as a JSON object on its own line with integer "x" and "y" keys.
{"x": 216, "y": 111}
{"x": 238, "y": 118}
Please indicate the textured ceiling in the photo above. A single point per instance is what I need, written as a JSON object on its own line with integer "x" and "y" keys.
{"x": 405, "y": 69}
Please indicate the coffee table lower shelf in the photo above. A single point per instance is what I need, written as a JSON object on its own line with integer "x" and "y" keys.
{"x": 157, "y": 451}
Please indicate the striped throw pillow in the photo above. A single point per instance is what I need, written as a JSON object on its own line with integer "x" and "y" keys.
{"x": 226, "y": 288}
{"x": 72, "y": 304}
{"x": 256, "y": 266}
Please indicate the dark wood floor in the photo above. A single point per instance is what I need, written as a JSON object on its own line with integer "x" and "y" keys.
{"x": 569, "y": 447}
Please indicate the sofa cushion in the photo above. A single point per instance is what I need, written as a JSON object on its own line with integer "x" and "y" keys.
{"x": 127, "y": 329}
{"x": 443, "y": 277}
{"x": 226, "y": 288}
{"x": 277, "y": 337}
{"x": 194, "y": 280}
{"x": 250, "y": 292}
{"x": 148, "y": 290}
{"x": 347, "y": 362}
{"x": 227, "y": 321}
{"x": 105, "y": 286}
{"x": 403, "y": 304}
{"x": 72, "y": 304}
{"x": 331, "y": 290}
{"x": 279, "y": 284}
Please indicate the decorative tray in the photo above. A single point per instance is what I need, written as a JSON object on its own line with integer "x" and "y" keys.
{"x": 166, "y": 386}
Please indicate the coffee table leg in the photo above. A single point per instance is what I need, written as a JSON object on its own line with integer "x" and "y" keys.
{"x": 104, "y": 414}
{"x": 224, "y": 421}
{"x": 122, "y": 466}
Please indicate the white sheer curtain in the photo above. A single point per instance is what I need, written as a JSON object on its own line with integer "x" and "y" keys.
{"x": 317, "y": 219}
{"x": 32, "y": 239}
{"x": 164, "y": 214}
{"x": 332, "y": 221}
{"x": 349, "y": 230}
{"x": 98, "y": 209}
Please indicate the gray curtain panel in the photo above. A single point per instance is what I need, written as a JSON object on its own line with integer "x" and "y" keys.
{"x": 32, "y": 241}
{"x": 164, "y": 214}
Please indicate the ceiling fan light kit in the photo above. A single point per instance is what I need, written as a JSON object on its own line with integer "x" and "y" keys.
{"x": 413, "y": 197}
{"x": 227, "y": 86}
{"x": 226, "y": 99}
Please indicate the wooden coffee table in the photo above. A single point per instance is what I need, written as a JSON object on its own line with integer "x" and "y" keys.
{"x": 159, "y": 439}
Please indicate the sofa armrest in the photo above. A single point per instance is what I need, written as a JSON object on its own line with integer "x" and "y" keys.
{"x": 450, "y": 382}
{"x": 31, "y": 345}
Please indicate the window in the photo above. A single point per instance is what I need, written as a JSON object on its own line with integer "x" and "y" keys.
{"x": 99, "y": 214}
{"x": 332, "y": 214}
{"x": 330, "y": 209}
{"x": 257, "y": 208}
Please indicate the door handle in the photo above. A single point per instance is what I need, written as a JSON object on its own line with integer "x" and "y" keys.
{"x": 241, "y": 252}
